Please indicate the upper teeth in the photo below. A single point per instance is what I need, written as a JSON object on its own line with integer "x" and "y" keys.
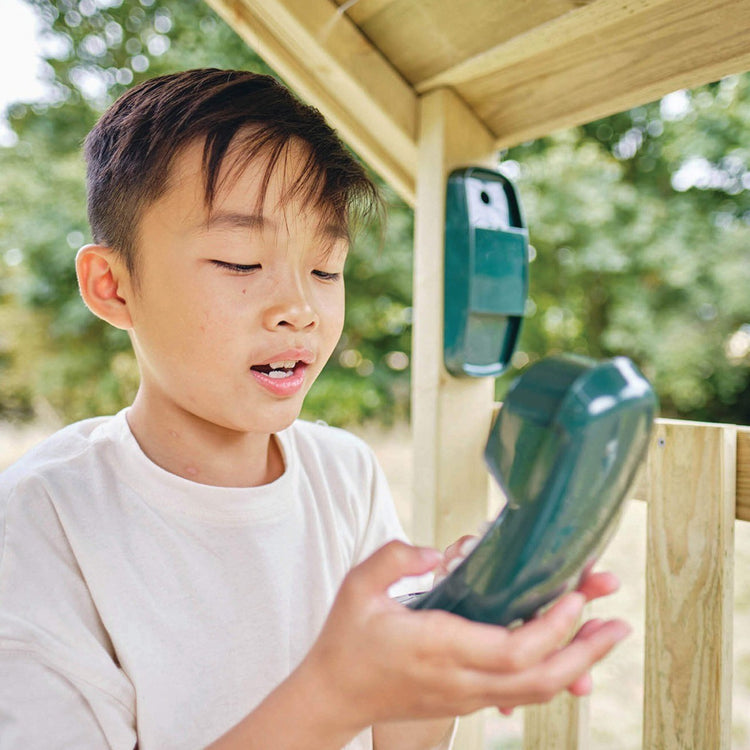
{"x": 288, "y": 365}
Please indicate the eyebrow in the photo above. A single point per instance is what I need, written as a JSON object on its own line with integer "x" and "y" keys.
{"x": 236, "y": 220}
{"x": 257, "y": 222}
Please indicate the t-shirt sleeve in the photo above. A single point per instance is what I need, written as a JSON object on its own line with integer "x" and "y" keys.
{"x": 383, "y": 526}
{"x": 60, "y": 683}
{"x": 41, "y": 707}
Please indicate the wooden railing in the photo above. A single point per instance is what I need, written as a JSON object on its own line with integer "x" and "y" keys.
{"x": 696, "y": 482}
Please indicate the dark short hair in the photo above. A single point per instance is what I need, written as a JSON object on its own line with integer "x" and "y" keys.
{"x": 131, "y": 149}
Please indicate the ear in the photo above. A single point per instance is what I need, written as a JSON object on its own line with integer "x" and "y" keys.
{"x": 104, "y": 283}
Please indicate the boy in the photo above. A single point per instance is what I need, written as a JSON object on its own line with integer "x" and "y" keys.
{"x": 169, "y": 575}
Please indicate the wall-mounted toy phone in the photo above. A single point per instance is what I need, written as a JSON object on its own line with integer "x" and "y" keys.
{"x": 486, "y": 272}
{"x": 566, "y": 442}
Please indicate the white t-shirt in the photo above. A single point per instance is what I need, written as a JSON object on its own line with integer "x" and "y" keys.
{"x": 140, "y": 607}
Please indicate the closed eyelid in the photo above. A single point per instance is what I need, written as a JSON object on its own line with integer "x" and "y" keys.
{"x": 327, "y": 275}
{"x": 236, "y": 267}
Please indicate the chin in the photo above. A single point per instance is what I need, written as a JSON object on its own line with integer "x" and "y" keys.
{"x": 272, "y": 419}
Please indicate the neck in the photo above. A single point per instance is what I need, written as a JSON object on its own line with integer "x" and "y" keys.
{"x": 201, "y": 451}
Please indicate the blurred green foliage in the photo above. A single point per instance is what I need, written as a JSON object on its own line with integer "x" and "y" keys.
{"x": 639, "y": 224}
{"x": 641, "y": 228}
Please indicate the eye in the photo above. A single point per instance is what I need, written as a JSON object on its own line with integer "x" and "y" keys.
{"x": 238, "y": 268}
{"x": 327, "y": 276}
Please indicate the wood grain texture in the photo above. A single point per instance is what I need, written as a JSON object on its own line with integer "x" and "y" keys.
{"x": 360, "y": 11}
{"x": 668, "y": 46}
{"x": 562, "y": 724}
{"x": 423, "y": 37}
{"x": 326, "y": 59}
{"x": 743, "y": 473}
{"x": 689, "y": 587}
{"x": 450, "y": 416}
{"x": 560, "y": 30}
{"x": 524, "y": 69}
{"x": 640, "y": 488}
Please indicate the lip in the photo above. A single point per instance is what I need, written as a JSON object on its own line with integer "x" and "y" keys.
{"x": 289, "y": 386}
{"x": 282, "y": 387}
{"x": 298, "y": 355}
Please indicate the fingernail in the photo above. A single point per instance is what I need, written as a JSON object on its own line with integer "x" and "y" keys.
{"x": 453, "y": 564}
{"x": 623, "y": 630}
{"x": 468, "y": 546}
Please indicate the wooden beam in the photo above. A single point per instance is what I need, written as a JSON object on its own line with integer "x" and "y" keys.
{"x": 668, "y": 45}
{"x": 450, "y": 483}
{"x": 689, "y": 587}
{"x": 640, "y": 489}
{"x": 557, "y": 32}
{"x": 423, "y": 37}
{"x": 450, "y": 416}
{"x": 361, "y": 11}
{"x": 324, "y": 57}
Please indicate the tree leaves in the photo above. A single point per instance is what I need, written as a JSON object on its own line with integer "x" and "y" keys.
{"x": 639, "y": 224}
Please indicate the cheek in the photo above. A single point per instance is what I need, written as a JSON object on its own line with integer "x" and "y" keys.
{"x": 334, "y": 311}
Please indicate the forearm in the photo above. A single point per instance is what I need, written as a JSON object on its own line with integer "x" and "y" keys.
{"x": 423, "y": 734}
{"x": 295, "y": 715}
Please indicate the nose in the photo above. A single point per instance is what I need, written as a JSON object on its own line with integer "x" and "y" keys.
{"x": 291, "y": 306}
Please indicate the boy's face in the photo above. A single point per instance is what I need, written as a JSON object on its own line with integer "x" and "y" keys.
{"x": 221, "y": 300}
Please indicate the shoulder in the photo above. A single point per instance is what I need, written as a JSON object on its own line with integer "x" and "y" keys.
{"x": 320, "y": 434}
{"x": 332, "y": 449}
{"x": 57, "y": 450}
{"x": 63, "y": 468}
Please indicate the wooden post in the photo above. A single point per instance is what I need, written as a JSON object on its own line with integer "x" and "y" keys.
{"x": 450, "y": 416}
{"x": 561, "y": 724}
{"x": 689, "y": 570}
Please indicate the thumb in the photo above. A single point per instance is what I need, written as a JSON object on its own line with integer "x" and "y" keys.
{"x": 392, "y": 562}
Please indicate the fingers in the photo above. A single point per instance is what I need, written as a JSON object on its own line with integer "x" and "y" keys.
{"x": 390, "y": 563}
{"x": 596, "y": 585}
{"x": 490, "y": 648}
{"x": 566, "y": 668}
{"x": 581, "y": 686}
{"x": 549, "y": 631}
{"x": 455, "y": 554}
{"x": 588, "y": 628}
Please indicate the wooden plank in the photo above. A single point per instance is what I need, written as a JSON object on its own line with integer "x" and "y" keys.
{"x": 558, "y": 725}
{"x": 450, "y": 416}
{"x": 640, "y": 487}
{"x": 671, "y": 45}
{"x": 423, "y": 37}
{"x": 450, "y": 481}
{"x": 558, "y": 31}
{"x": 743, "y": 473}
{"x": 324, "y": 57}
{"x": 362, "y": 10}
{"x": 689, "y": 592}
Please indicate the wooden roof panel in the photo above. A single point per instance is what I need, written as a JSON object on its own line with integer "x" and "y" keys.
{"x": 607, "y": 70}
{"x": 524, "y": 67}
{"x": 422, "y": 39}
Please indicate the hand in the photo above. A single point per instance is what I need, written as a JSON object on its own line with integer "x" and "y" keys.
{"x": 591, "y": 585}
{"x": 376, "y": 660}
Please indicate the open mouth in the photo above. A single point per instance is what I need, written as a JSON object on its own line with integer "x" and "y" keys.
{"x": 278, "y": 370}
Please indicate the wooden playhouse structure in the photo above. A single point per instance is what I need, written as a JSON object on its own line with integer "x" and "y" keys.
{"x": 418, "y": 87}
